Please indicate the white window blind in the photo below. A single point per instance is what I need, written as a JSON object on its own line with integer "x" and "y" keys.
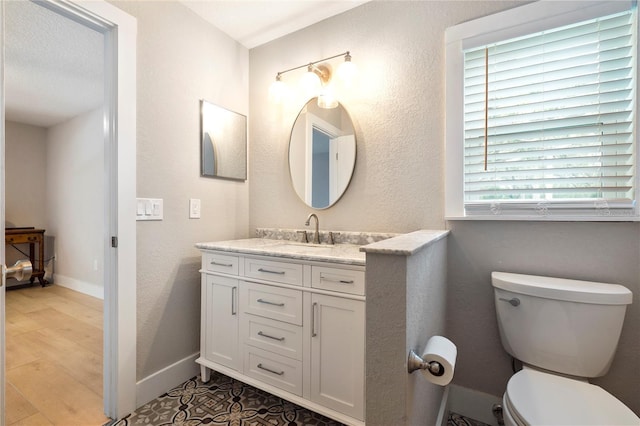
{"x": 549, "y": 121}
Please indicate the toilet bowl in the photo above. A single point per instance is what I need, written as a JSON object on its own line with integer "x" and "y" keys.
{"x": 539, "y": 398}
{"x": 564, "y": 332}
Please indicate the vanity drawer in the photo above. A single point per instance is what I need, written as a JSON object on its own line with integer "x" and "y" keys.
{"x": 275, "y": 336}
{"x": 214, "y": 262}
{"x": 282, "y": 272}
{"x": 276, "y": 370}
{"x": 277, "y": 303}
{"x": 336, "y": 279}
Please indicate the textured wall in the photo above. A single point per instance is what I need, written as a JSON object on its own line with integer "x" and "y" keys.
{"x": 426, "y": 301}
{"x": 406, "y": 303}
{"x": 74, "y": 200}
{"x": 181, "y": 59}
{"x": 398, "y": 109}
{"x": 25, "y": 157}
{"x": 397, "y": 106}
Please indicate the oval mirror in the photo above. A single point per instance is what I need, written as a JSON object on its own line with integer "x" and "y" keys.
{"x": 322, "y": 154}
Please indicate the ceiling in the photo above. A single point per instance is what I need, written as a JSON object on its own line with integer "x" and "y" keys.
{"x": 54, "y": 66}
{"x": 255, "y": 22}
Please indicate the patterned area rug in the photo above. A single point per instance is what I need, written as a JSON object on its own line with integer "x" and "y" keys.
{"x": 458, "y": 420}
{"x": 225, "y": 401}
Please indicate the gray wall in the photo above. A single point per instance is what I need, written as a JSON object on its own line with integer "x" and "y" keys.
{"x": 406, "y": 302}
{"x": 25, "y": 183}
{"x": 26, "y": 165}
{"x": 589, "y": 251}
{"x": 398, "y": 109}
{"x": 181, "y": 59}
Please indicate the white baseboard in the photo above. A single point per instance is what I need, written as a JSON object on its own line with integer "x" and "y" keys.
{"x": 164, "y": 380}
{"x": 91, "y": 289}
{"x": 473, "y": 404}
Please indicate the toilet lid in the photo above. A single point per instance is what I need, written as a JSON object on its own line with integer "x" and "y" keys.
{"x": 539, "y": 398}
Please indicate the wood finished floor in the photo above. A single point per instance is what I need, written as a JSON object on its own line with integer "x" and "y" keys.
{"x": 53, "y": 358}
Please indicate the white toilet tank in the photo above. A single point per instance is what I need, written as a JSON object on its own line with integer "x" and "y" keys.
{"x": 567, "y": 326}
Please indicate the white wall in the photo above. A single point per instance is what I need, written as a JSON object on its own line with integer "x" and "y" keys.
{"x": 181, "y": 59}
{"x": 75, "y": 183}
{"x": 398, "y": 109}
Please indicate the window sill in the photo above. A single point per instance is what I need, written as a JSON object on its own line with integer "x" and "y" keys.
{"x": 548, "y": 218}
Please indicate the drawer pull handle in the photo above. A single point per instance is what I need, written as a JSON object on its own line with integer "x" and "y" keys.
{"x": 266, "y": 302}
{"x": 279, "y": 339}
{"x": 228, "y": 265}
{"x": 279, "y": 373}
{"x": 336, "y": 281}
{"x": 271, "y": 272}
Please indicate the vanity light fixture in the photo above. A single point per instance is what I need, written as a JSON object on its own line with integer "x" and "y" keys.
{"x": 317, "y": 80}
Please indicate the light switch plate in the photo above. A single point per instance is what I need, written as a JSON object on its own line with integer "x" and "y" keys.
{"x": 194, "y": 208}
{"x": 149, "y": 209}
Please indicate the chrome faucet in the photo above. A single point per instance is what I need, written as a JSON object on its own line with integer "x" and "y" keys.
{"x": 316, "y": 236}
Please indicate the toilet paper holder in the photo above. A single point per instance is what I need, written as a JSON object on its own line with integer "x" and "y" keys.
{"x": 415, "y": 362}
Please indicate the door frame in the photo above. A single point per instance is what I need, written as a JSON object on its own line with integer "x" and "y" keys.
{"x": 120, "y": 31}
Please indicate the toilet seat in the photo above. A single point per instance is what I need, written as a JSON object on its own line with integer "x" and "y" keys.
{"x": 537, "y": 398}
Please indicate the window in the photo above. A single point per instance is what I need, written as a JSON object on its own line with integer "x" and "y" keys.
{"x": 547, "y": 115}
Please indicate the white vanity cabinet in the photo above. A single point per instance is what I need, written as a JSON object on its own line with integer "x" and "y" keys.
{"x": 293, "y": 327}
{"x": 337, "y": 353}
{"x": 219, "y": 339}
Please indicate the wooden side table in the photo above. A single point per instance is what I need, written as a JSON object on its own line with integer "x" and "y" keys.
{"x": 32, "y": 237}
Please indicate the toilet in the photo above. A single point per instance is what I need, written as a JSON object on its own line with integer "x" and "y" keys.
{"x": 564, "y": 332}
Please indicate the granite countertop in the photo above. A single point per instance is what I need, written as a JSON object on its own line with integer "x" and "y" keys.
{"x": 350, "y": 247}
{"x": 406, "y": 244}
{"x": 339, "y": 253}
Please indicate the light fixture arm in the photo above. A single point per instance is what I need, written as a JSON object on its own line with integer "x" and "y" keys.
{"x": 312, "y": 65}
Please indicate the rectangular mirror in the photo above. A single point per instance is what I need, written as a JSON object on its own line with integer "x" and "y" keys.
{"x": 223, "y": 147}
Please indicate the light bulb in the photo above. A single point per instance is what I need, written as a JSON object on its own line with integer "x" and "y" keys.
{"x": 347, "y": 71}
{"x": 327, "y": 99}
{"x": 310, "y": 83}
{"x": 277, "y": 90}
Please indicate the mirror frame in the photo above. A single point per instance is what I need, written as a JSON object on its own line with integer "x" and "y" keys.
{"x": 329, "y": 128}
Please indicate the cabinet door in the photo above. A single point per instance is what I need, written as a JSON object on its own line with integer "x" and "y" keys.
{"x": 221, "y": 326}
{"x": 337, "y": 354}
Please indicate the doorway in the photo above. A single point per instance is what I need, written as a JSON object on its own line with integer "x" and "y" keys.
{"x": 54, "y": 174}
{"x": 118, "y": 118}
